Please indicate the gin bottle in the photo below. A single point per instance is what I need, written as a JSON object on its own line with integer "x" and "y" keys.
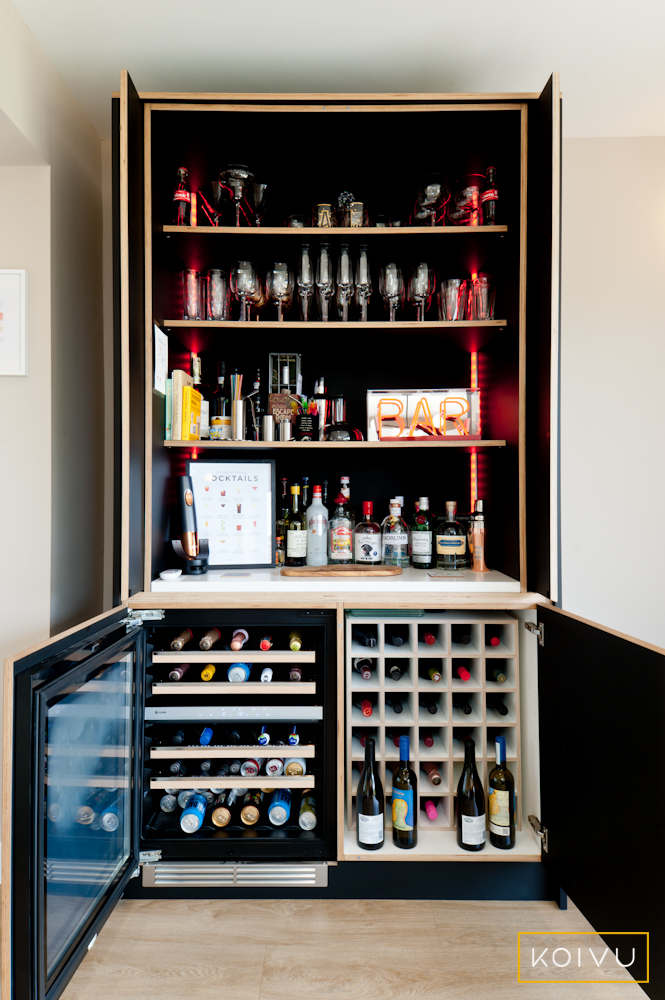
{"x": 395, "y": 538}
{"x": 451, "y": 548}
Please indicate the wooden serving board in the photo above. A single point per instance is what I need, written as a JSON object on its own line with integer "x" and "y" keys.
{"x": 347, "y": 570}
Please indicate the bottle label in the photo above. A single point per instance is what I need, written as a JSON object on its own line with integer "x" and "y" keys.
{"x": 473, "y": 830}
{"x": 370, "y": 829}
{"x": 340, "y": 543}
{"x": 396, "y": 538}
{"x": 490, "y": 195}
{"x": 182, "y": 196}
{"x": 366, "y": 547}
{"x": 499, "y": 810}
{"x": 421, "y": 544}
{"x": 403, "y": 809}
{"x": 318, "y": 524}
{"x": 296, "y": 543}
{"x": 451, "y": 545}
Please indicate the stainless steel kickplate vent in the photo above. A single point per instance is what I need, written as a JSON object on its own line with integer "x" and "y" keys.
{"x": 228, "y": 874}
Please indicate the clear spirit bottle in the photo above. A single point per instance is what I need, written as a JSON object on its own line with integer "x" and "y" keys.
{"x": 317, "y": 531}
{"x": 422, "y": 550}
{"x": 395, "y": 538}
{"x": 368, "y": 537}
{"x": 451, "y": 547}
{"x": 340, "y": 534}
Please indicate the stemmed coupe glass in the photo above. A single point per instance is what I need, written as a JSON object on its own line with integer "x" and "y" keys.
{"x": 236, "y": 178}
{"x": 245, "y": 285}
{"x": 325, "y": 284}
{"x": 279, "y": 286}
{"x": 391, "y": 287}
{"x": 421, "y": 288}
{"x": 344, "y": 282}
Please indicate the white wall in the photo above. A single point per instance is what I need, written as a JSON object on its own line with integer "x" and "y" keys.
{"x": 613, "y": 383}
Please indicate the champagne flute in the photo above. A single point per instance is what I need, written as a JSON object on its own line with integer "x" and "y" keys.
{"x": 305, "y": 281}
{"x": 344, "y": 282}
{"x": 236, "y": 178}
{"x": 391, "y": 287}
{"x": 421, "y": 287}
{"x": 279, "y": 287}
{"x": 324, "y": 281}
{"x": 363, "y": 283}
{"x": 256, "y": 196}
{"x": 245, "y": 286}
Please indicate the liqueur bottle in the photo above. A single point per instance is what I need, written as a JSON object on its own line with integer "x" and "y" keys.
{"x": 370, "y": 815}
{"x": 450, "y": 541}
{"x": 296, "y": 531}
{"x": 501, "y": 800}
{"x": 395, "y": 538}
{"x": 368, "y": 537}
{"x": 340, "y": 534}
{"x": 470, "y": 803}
{"x": 422, "y": 552}
{"x": 489, "y": 198}
{"x": 405, "y": 800}
{"x": 182, "y": 199}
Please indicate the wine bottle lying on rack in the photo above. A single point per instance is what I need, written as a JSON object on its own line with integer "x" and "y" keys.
{"x": 363, "y": 667}
{"x": 427, "y": 636}
{"x": 432, "y": 772}
{"x": 212, "y": 636}
{"x": 428, "y": 702}
{"x": 238, "y": 639}
{"x": 430, "y": 673}
{"x": 396, "y": 636}
{"x": 496, "y": 674}
{"x": 364, "y": 705}
{"x": 495, "y": 702}
{"x": 462, "y": 704}
{"x": 427, "y": 738}
{"x": 431, "y": 811}
{"x": 177, "y": 673}
{"x": 492, "y": 635}
{"x": 396, "y": 702}
{"x": 266, "y": 642}
{"x": 460, "y": 634}
{"x": 461, "y": 672}
{"x": 208, "y": 672}
{"x": 181, "y": 640}
{"x": 363, "y": 637}
{"x": 394, "y": 670}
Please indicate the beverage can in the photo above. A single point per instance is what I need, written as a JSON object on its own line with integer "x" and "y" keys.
{"x": 193, "y": 813}
{"x": 251, "y": 767}
{"x": 168, "y": 803}
{"x": 307, "y": 814}
{"x": 110, "y": 820}
{"x": 239, "y": 672}
{"x": 279, "y": 809}
{"x": 266, "y": 675}
{"x": 295, "y": 765}
{"x": 274, "y": 766}
{"x": 184, "y": 796}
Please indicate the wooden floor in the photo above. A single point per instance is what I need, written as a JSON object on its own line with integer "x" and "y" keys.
{"x": 302, "y": 950}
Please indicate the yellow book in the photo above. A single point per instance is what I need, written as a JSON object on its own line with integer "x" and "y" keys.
{"x": 191, "y": 414}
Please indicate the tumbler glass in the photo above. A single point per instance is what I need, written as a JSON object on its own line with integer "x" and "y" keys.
{"x": 484, "y": 294}
{"x": 217, "y": 299}
{"x": 452, "y": 299}
{"x": 192, "y": 295}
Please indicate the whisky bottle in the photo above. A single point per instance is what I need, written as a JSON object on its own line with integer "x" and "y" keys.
{"x": 296, "y": 531}
{"x": 451, "y": 551}
{"x": 422, "y": 554}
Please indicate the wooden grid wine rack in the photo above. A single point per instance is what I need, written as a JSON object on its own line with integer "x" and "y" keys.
{"x": 449, "y": 724}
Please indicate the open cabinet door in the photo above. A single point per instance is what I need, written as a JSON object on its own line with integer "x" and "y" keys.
{"x": 601, "y": 707}
{"x": 129, "y": 332}
{"x": 542, "y": 341}
{"x": 70, "y": 798}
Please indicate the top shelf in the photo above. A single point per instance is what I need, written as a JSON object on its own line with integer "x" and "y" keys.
{"x": 331, "y": 230}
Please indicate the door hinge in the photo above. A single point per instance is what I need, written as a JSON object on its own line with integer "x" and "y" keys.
{"x": 149, "y": 857}
{"x": 540, "y": 831}
{"x": 136, "y": 618}
{"x": 136, "y": 872}
{"x": 538, "y": 630}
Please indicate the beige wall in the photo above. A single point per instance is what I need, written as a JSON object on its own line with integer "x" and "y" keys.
{"x": 613, "y": 383}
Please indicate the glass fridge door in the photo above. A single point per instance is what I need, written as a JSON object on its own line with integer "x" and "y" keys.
{"x": 73, "y": 799}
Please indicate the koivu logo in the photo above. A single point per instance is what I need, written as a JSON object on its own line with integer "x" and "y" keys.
{"x": 569, "y": 957}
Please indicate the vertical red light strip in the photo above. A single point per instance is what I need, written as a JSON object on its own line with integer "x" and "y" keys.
{"x": 193, "y": 213}
{"x": 194, "y": 454}
{"x": 473, "y": 464}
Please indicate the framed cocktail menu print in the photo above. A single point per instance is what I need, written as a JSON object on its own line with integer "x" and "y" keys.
{"x": 235, "y": 511}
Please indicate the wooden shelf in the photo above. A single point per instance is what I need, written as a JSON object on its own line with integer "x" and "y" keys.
{"x": 227, "y": 687}
{"x": 237, "y": 781}
{"x": 263, "y": 656}
{"x": 187, "y": 753}
{"x": 332, "y": 231}
{"x": 409, "y": 325}
{"x": 353, "y": 445}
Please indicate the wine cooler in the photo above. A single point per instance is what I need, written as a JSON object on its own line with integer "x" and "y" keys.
{"x": 138, "y": 752}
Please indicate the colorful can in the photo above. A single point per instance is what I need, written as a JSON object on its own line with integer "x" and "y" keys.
{"x": 239, "y": 672}
{"x": 279, "y": 809}
{"x": 193, "y": 813}
{"x": 307, "y": 814}
{"x": 293, "y": 739}
{"x": 110, "y": 819}
{"x": 205, "y": 736}
{"x": 295, "y": 765}
{"x": 251, "y": 767}
{"x": 264, "y": 737}
{"x": 221, "y": 813}
{"x": 274, "y": 766}
{"x": 251, "y": 808}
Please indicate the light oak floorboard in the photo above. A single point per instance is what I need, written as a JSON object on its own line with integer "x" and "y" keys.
{"x": 324, "y": 949}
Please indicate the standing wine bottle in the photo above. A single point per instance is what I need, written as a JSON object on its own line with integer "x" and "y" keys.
{"x": 370, "y": 804}
{"x": 470, "y": 803}
{"x": 501, "y": 800}
{"x": 405, "y": 800}
{"x": 296, "y": 531}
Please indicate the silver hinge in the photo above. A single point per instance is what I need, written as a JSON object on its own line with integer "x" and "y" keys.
{"x": 136, "y": 873}
{"x": 540, "y": 831}
{"x": 136, "y": 618}
{"x": 149, "y": 857}
{"x": 538, "y": 630}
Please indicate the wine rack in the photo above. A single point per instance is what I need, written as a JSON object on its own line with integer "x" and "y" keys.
{"x": 449, "y": 724}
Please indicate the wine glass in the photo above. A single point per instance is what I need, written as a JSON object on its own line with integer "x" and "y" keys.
{"x": 245, "y": 286}
{"x": 236, "y": 178}
{"x": 421, "y": 288}
{"x": 256, "y": 196}
{"x": 305, "y": 281}
{"x": 391, "y": 287}
{"x": 344, "y": 282}
{"x": 363, "y": 283}
{"x": 279, "y": 287}
{"x": 325, "y": 284}
{"x": 432, "y": 196}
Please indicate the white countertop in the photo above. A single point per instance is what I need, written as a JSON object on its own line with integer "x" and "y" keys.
{"x": 410, "y": 581}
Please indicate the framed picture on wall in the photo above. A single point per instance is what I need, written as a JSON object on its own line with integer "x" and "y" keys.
{"x": 13, "y": 324}
{"x": 235, "y": 511}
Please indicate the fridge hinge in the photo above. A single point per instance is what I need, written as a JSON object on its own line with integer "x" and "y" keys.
{"x": 136, "y": 618}
{"x": 540, "y": 831}
{"x": 538, "y": 630}
{"x": 149, "y": 857}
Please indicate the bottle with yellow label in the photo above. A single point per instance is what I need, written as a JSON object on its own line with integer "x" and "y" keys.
{"x": 451, "y": 547}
